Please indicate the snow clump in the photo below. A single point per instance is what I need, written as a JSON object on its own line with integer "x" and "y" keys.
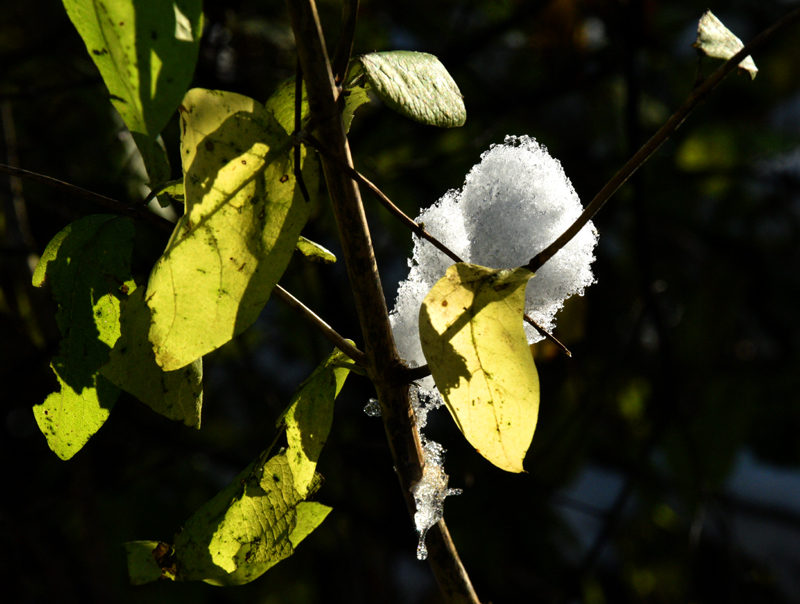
{"x": 513, "y": 204}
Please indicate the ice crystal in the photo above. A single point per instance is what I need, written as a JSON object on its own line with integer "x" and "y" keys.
{"x": 373, "y": 408}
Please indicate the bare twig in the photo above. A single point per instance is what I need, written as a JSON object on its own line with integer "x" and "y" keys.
{"x": 697, "y": 95}
{"x": 326, "y": 330}
{"x": 385, "y": 367}
{"x": 111, "y": 204}
{"x": 344, "y": 48}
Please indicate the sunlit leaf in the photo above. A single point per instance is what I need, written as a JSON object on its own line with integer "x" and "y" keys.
{"x": 145, "y": 51}
{"x": 132, "y": 366}
{"x": 414, "y": 84}
{"x": 717, "y": 41}
{"x": 87, "y": 266}
{"x": 242, "y": 222}
{"x": 472, "y": 335}
{"x": 314, "y": 251}
{"x": 309, "y": 417}
{"x": 247, "y": 528}
{"x": 354, "y": 97}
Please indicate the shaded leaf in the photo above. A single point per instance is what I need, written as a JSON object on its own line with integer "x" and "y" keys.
{"x": 145, "y": 51}
{"x": 471, "y": 332}
{"x": 87, "y": 266}
{"x": 314, "y": 251}
{"x": 717, "y": 41}
{"x": 414, "y": 84}
{"x": 132, "y": 366}
{"x": 354, "y": 97}
{"x": 242, "y": 222}
{"x": 309, "y": 417}
{"x": 142, "y": 565}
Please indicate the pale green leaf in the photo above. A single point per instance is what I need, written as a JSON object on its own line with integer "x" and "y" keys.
{"x": 717, "y": 41}
{"x": 242, "y": 222}
{"x": 415, "y": 84}
{"x": 471, "y": 331}
{"x": 247, "y": 528}
{"x": 354, "y": 97}
{"x": 87, "y": 266}
{"x": 309, "y": 417}
{"x": 132, "y": 366}
{"x": 145, "y": 51}
{"x": 314, "y": 251}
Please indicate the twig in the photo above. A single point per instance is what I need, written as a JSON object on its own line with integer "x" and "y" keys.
{"x": 695, "y": 97}
{"x": 112, "y": 204}
{"x": 385, "y": 367}
{"x": 298, "y": 118}
{"x": 344, "y": 48}
{"x": 415, "y": 227}
{"x": 326, "y": 330}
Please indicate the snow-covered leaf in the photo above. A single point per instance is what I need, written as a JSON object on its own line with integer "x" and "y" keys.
{"x": 471, "y": 330}
{"x": 414, "y": 84}
{"x": 717, "y": 41}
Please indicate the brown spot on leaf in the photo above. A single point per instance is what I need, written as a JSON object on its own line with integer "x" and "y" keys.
{"x": 209, "y": 146}
{"x": 284, "y": 178}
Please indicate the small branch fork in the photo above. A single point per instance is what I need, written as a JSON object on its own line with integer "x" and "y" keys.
{"x": 642, "y": 155}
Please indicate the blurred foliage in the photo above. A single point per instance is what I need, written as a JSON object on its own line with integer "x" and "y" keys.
{"x": 685, "y": 351}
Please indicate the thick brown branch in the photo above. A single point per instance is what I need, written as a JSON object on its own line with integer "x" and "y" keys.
{"x": 697, "y": 95}
{"x": 384, "y": 365}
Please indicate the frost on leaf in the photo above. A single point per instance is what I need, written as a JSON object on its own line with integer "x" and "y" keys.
{"x": 513, "y": 204}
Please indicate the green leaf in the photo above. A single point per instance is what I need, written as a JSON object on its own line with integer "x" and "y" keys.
{"x": 309, "y": 417}
{"x": 87, "y": 266}
{"x": 242, "y": 222}
{"x": 132, "y": 366}
{"x": 354, "y": 97}
{"x": 145, "y": 51}
{"x": 253, "y": 524}
{"x": 142, "y": 565}
{"x": 414, "y": 84}
{"x": 717, "y": 41}
{"x": 314, "y": 251}
{"x": 471, "y": 331}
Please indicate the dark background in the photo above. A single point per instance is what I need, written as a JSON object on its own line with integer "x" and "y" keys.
{"x": 665, "y": 463}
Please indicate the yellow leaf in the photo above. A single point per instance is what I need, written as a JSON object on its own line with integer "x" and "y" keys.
{"x": 470, "y": 325}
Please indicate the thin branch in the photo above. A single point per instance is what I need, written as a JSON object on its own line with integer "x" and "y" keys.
{"x": 697, "y": 95}
{"x": 326, "y": 330}
{"x": 414, "y": 226}
{"x": 298, "y": 118}
{"x": 112, "y": 204}
{"x": 344, "y": 48}
{"x": 385, "y": 367}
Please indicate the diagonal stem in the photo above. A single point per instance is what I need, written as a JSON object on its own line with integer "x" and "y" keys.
{"x": 642, "y": 155}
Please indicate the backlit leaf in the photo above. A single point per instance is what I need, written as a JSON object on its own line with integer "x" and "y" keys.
{"x": 87, "y": 266}
{"x": 132, "y": 366}
{"x": 242, "y": 222}
{"x": 247, "y": 528}
{"x": 414, "y": 84}
{"x": 472, "y": 335}
{"x": 717, "y": 41}
{"x": 145, "y": 51}
{"x": 314, "y": 251}
{"x": 309, "y": 417}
